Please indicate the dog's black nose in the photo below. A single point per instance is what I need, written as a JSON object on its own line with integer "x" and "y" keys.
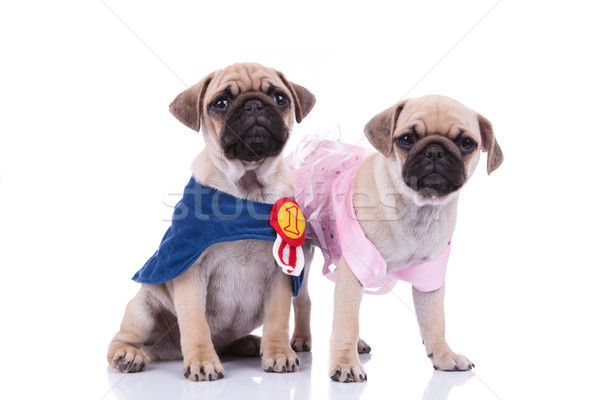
{"x": 253, "y": 106}
{"x": 435, "y": 152}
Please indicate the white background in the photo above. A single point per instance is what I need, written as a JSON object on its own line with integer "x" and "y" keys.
{"x": 91, "y": 162}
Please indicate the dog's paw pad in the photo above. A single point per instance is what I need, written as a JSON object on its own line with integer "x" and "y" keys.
{"x": 128, "y": 359}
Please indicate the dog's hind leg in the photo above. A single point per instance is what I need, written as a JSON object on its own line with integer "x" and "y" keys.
{"x": 363, "y": 347}
{"x": 248, "y": 346}
{"x": 138, "y": 322}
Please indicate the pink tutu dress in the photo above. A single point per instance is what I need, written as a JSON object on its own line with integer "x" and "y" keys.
{"x": 324, "y": 172}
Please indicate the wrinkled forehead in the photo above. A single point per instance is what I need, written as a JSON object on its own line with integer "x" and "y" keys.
{"x": 437, "y": 114}
{"x": 244, "y": 78}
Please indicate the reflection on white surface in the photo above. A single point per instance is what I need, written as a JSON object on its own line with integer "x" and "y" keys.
{"x": 244, "y": 379}
{"x": 441, "y": 383}
{"x": 346, "y": 391}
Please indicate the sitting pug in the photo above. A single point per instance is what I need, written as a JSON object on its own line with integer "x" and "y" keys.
{"x": 213, "y": 279}
{"x": 387, "y": 216}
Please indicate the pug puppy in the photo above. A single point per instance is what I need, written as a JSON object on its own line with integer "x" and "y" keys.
{"x": 404, "y": 199}
{"x": 246, "y": 113}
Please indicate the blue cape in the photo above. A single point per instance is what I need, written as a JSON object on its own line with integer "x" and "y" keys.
{"x": 205, "y": 216}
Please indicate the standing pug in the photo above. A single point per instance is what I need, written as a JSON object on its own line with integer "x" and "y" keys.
{"x": 389, "y": 216}
{"x": 214, "y": 279}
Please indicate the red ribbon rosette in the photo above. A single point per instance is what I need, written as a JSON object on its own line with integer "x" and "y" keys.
{"x": 289, "y": 222}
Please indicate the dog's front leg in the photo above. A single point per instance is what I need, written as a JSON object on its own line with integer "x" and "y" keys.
{"x": 344, "y": 365}
{"x": 429, "y": 307}
{"x": 200, "y": 360}
{"x": 302, "y": 337}
{"x": 277, "y": 354}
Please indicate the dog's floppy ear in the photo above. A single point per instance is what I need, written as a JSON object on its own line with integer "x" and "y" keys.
{"x": 490, "y": 144}
{"x": 187, "y": 106}
{"x": 380, "y": 129}
{"x": 303, "y": 99}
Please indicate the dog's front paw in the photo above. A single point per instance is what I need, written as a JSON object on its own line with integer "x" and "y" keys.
{"x": 279, "y": 358}
{"x": 301, "y": 344}
{"x": 344, "y": 365}
{"x": 197, "y": 371}
{"x": 128, "y": 358}
{"x": 353, "y": 372}
{"x": 450, "y": 361}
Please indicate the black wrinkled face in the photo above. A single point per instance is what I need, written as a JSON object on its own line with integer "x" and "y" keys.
{"x": 435, "y": 165}
{"x": 253, "y": 124}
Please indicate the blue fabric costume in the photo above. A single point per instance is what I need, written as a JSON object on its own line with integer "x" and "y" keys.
{"x": 205, "y": 216}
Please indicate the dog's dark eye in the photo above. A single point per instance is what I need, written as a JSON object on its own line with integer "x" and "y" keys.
{"x": 220, "y": 104}
{"x": 280, "y": 99}
{"x": 467, "y": 145}
{"x": 406, "y": 141}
